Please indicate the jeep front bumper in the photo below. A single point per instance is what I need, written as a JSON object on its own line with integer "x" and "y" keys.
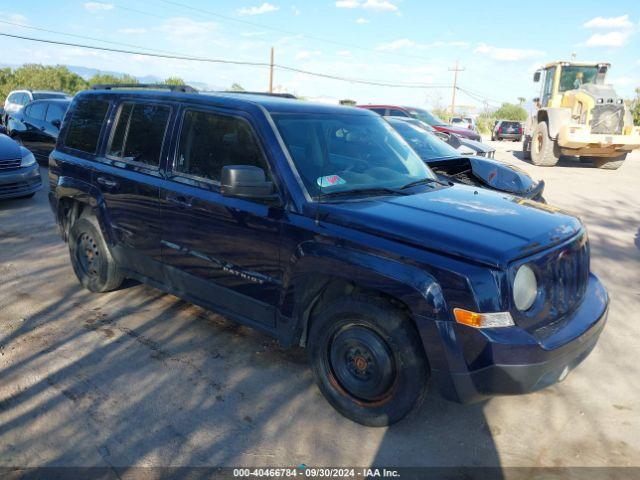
{"x": 481, "y": 363}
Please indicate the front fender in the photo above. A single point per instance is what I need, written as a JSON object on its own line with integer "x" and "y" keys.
{"x": 556, "y": 118}
{"x": 83, "y": 193}
{"x": 417, "y": 289}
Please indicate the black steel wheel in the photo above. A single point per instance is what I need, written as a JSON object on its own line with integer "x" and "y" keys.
{"x": 368, "y": 360}
{"x": 362, "y": 362}
{"x": 90, "y": 257}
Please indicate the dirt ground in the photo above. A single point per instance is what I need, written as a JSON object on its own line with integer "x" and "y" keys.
{"x": 136, "y": 377}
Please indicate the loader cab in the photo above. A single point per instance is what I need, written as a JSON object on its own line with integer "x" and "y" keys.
{"x": 559, "y": 77}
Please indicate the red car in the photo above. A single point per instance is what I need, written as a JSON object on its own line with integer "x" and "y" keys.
{"x": 425, "y": 116}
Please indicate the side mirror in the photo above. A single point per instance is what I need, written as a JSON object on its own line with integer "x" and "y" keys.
{"x": 245, "y": 181}
{"x": 536, "y": 76}
{"x": 56, "y": 123}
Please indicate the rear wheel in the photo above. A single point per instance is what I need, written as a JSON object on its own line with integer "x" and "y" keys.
{"x": 367, "y": 360}
{"x": 544, "y": 151}
{"x": 612, "y": 163}
{"x": 90, "y": 257}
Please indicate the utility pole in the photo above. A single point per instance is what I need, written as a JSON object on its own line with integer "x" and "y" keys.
{"x": 271, "y": 72}
{"x": 455, "y": 71}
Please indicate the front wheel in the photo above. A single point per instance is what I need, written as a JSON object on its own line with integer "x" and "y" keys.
{"x": 544, "y": 151}
{"x": 90, "y": 257}
{"x": 612, "y": 163}
{"x": 367, "y": 360}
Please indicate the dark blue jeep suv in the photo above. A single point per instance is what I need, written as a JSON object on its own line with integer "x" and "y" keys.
{"x": 320, "y": 226}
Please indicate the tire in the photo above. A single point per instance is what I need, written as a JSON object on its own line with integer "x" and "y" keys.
{"x": 368, "y": 361}
{"x": 526, "y": 147}
{"x": 91, "y": 259}
{"x": 544, "y": 151}
{"x": 612, "y": 163}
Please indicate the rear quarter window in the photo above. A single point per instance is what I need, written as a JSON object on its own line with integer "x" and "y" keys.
{"x": 85, "y": 125}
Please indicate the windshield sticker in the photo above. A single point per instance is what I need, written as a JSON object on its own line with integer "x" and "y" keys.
{"x": 331, "y": 181}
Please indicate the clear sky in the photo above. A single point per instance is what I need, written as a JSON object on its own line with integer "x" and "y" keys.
{"x": 498, "y": 43}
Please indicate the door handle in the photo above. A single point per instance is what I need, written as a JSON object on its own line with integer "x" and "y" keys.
{"x": 105, "y": 182}
{"x": 180, "y": 200}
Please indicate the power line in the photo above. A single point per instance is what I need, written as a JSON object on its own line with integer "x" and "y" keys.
{"x": 172, "y": 56}
{"x": 455, "y": 71}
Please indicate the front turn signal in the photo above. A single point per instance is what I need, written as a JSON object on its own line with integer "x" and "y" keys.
{"x": 483, "y": 320}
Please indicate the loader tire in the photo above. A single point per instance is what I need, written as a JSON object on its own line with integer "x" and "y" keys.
{"x": 612, "y": 163}
{"x": 544, "y": 151}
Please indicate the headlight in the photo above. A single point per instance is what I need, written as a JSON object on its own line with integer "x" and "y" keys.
{"x": 525, "y": 288}
{"x": 27, "y": 158}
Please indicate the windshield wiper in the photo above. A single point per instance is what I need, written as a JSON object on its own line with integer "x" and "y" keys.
{"x": 361, "y": 191}
{"x": 423, "y": 181}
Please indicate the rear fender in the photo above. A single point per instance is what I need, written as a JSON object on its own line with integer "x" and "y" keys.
{"x": 84, "y": 193}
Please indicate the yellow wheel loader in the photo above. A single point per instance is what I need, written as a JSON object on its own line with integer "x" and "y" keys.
{"x": 578, "y": 114}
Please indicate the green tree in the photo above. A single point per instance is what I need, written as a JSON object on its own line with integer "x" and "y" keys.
{"x": 174, "y": 81}
{"x": 635, "y": 109}
{"x": 41, "y": 77}
{"x": 236, "y": 87}
{"x": 509, "y": 111}
{"x": 109, "y": 79}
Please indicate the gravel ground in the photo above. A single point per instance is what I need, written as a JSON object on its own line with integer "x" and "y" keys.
{"x": 136, "y": 377}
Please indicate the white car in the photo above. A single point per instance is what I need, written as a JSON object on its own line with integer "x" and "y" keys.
{"x": 466, "y": 122}
{"x": 17, "y": 99}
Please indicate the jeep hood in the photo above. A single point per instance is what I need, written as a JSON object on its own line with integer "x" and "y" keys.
{"x": 480, "y": 225}
{"x": 9, "y": 150}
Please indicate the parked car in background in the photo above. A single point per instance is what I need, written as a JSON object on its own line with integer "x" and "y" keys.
{"x": 424, "y": 115}
{"x": 321, "y": 226}
{"x": 449, "y": 164}
{"x": 18, "y": 99}
{"x": 19, "y": 172}
{"x": 37, "y": 126}
{"x": 464, "y": 146}
{"x": 467, "y": 122}
{"x": 507, "y": 130}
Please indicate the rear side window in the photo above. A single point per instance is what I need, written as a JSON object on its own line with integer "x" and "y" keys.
{"x": 139, "y": 133}
{"x": 85, "y": 125}
{"x": 209, "y": 141}
{"x": 379, "y": 111}
{"x": 37, "y": 111}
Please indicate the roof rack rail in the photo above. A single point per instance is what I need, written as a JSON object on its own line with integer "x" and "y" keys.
{"x": 266, "y": 94}
{"x": 147, "y": 86}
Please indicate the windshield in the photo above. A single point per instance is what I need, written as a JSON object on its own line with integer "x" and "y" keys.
{"x": 573, "y": 77}
{"x": 340, "y": 153}
{"x": 426, "y": 144}
{"x": 426, "y": 117}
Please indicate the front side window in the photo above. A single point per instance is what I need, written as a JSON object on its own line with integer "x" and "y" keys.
{"x": 55, "y": 112}
{"x": 37, "y": 111}
{"x": 86, "y": 122}
{"x": 209, "y": 141}
{"x": 348, "y": 153}
{"x": 139, "y": 133}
